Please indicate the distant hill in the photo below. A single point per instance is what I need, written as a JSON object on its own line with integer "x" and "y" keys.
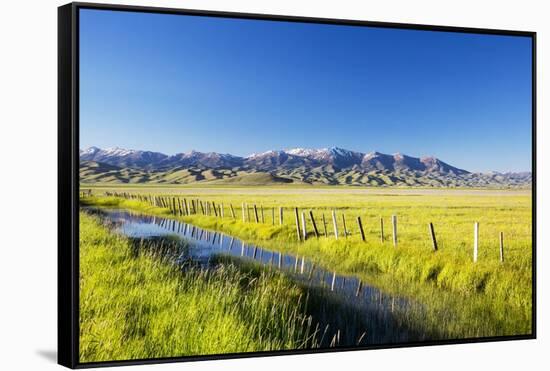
{"x": 254, "y": 179}
{"x": 331, "y": 166}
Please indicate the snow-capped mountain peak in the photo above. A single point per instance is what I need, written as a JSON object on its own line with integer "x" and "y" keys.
{"x": 272, "y": 160}
{"x": 304, "y": 152}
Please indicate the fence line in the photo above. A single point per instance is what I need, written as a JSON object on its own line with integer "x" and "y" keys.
{"x": 184, "y": 207}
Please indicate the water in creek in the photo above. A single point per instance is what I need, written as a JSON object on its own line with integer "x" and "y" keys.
{"x": 351, "y": 312}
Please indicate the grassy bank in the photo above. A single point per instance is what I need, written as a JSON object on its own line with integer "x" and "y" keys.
{"x": 465, "y": 299}
{"x": 134, "y": 305}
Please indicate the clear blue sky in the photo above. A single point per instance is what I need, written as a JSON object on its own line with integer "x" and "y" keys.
{"x": 173, "y": 83}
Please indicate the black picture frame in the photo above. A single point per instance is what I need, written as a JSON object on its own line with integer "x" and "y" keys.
{"x": 68, "y": 178}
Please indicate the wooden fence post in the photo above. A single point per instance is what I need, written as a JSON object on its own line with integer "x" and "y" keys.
{"x": 381, "y": 230}
{"x": 186, "y": 207}
{"x": 221, "y": 210}
{"x": 304, "y": 227}
{"x": 360, "y": 225}
{"x": 344, "y": 223}
{"x": 334, "y": 224}
{"x": 262, "y": 213}
{"x": 432, "y": 235}
{"x": 215, "y": 209}
{"x": 297, "y": 223}
{"x": 476, "y": 240}
{"x": 501, "y": 238}
{"x": 280, "y": 215}
{"x": 325, "y": 225}
{"x": 272, "y": 216}
{"x": 314, "y": 224}
{"x": 244, "y": 213}
{"x": 232, "y": 211}
{"x": 256, "y": 214}
{"x": 394, "y": 229}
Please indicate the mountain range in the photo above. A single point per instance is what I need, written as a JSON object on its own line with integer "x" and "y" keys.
{"x": 331, "y": 166}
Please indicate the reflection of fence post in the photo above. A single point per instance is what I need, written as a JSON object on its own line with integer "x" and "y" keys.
{"x": 358, "y": 291}
{"x": 501, "y": 238}
{"x": 314, "y": 224}
{"x": 334, "y": 224}
{"x": 297, "y": 223}
{"x": 311, "y": 271}
{"x": 432, "y": 235}
{"x": 360, "y": 225}
{"x": 476, "y": 240}
{"x": 304, "y": 228}
{"x": 394, "y": 229}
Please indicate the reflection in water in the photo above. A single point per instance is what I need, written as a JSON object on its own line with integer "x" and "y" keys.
{"x": 347, "y": 310}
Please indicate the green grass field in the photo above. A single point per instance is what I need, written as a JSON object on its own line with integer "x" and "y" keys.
{"x": 463, "y": 299}
{"x": 138, "y": 305}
